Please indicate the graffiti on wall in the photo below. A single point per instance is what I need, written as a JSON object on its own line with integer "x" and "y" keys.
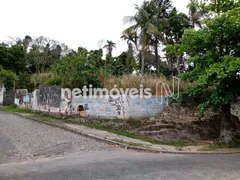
{"x": 71, "y": 107}
{"x": 49, "y": 96}
{"x": 9, "y": 97}
{"x": 20, "y": 93}
{"x": 49, "y": 99}
{"x": 118, "y": 103}
{"x": 109, "y": 106}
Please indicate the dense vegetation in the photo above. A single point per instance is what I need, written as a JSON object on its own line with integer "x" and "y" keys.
{"x": 43, "y": 60}
{"x": 202, "y": 47}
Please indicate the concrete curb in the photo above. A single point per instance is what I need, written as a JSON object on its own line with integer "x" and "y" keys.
{"x": 125, "y": 146}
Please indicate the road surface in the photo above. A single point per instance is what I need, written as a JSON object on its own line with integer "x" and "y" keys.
{"x": 33, "y": 151}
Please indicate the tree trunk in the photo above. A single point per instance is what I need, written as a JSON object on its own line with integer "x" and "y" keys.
{"x": 226, "y": 133}
{"x": 143, "y": 63}
{"x": 142, "y": 66}
{"x": 178, "y": 64}
{"x": 156, "y": 56}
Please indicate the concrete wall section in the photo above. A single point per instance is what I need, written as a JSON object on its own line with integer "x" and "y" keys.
{"x": 235, "y": 108}
{"x": 9, "y": 97}
{"x": 34, "y": 100}
{"x": 2, "y": 90}
{"x": 48, "y": 98}
{"x": 19, "y": 94}
{"x": 115, "y": 107}
{"x": 138, "y": 108}
{"x": 97, "y": 107}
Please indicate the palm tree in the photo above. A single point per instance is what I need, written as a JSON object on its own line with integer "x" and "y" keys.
{"x": 155, "y": 22}
{"x": 195, "y": 14}
{"x": 109, "y": 46}
{"x": 130, "y": 36}
{"x": 160, "y": 18}
{"x": 26, "y": 42}
{"x": 144, "y": 26}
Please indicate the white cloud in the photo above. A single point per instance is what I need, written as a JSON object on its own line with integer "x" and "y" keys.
{"x": 74, "y": 22}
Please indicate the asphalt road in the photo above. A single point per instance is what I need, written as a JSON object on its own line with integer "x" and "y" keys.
{"x": 33, "y": 151}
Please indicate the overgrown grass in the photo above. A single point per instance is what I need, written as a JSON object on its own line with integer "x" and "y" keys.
{"x": 219, "y": 146}
{"x": 223, "y": 146}
{"x": 150, "y": 81}
{"x": 124, "y": 82}
{"x": 14, "y": 108}
{"x": 41, "y": 78}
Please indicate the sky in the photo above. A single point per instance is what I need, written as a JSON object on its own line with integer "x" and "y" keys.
{"x": 86, "y": 23}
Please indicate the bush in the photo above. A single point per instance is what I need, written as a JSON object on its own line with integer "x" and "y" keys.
{"x": 7, "y": 78}
{"x": 23, "y": 80}
{"x": 55, "y": 81}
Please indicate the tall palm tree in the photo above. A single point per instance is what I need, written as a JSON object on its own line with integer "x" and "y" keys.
{"x": 144, "y": 26}
{"x": 109, "y": 46}
{"x": 26, "y": 42}
{"x": 130, "y": 36}
{"x": 160, "y": 18}
{"x": 195, "y": 14}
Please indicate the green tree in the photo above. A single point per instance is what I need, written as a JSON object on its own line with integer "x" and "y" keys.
{"x": 215, "y": 56}
{"x": 77, "y": 70}
{"x": 173, "y": 34}
{"x": 95, "y": 56}
{"x": 130, "y": 60}
{"x": 125, "y": 63}
{"x": 12, "y": 58}
{"x": 119, "y": 64}
{"x": 143, "y": 26}
{"x": 44, "y": 52}
{"x": 160, "y": 18}
{"x": 130, "y": 35}
{"x": 8, "y": 78}
{"x": 155, "y": 23}
{"x": 195, "y": 13}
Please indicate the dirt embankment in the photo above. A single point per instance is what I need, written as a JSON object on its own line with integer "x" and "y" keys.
{"x": 176, "y": 122}
{"x": 189, "y": 124}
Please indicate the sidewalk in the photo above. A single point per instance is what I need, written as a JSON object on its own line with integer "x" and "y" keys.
{"x": 116, "y": 140}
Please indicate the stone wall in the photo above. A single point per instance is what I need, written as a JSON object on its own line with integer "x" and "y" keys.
{"x": 235, "y": 108}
